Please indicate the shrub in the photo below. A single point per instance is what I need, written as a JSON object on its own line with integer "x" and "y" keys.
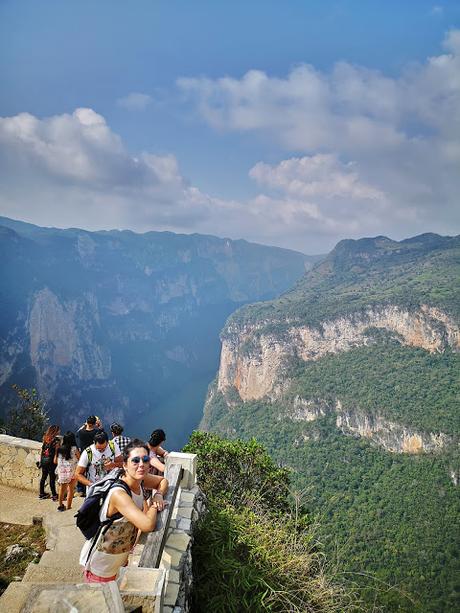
{"x": 252, "y": 551}
{"x": 29, "y": 418}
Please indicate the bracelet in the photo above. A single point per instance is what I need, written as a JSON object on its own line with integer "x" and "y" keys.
{"x": 158, "y": 494}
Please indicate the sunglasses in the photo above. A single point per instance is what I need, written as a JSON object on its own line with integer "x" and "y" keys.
{"x": 137, "y": 459}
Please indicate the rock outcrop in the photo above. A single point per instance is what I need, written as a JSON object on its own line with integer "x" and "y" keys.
{"x": 391, "y": 436}
{"x": 63, "y": 336}
{"x": 253, "y": 360}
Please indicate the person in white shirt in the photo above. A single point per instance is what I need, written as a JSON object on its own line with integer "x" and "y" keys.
{"x": 98, "y": 459}
{"x": 104, "y": 555}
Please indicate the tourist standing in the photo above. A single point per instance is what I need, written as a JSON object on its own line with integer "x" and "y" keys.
{"x": 118, "y": 438}
{"x": 67, "y": 456}
{"x": 85, "y": 438}
{"x": 51, "y": 442}
{"x": 98, "y": 459}
{"x": 157, "y": 453}
{"x": 86, "y": 434}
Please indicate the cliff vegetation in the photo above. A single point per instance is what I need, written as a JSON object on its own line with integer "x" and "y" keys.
{"x": 255, "y": 549}
{"x": 352, "y": 381}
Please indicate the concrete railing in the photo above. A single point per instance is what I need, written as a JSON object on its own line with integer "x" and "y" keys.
{"x": 154, "y": 590}
{"x": 175, "y": 568}
{"x": 18, "y": 457}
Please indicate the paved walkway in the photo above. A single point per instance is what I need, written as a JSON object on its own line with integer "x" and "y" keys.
{"x": 21, "y": 506}
{"x": 59, "y": 563}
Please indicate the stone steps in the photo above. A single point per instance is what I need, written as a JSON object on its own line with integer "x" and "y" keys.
{"x": 15, "y": 596}
{"x": 56, "y": 559}
{"x": 37, "y": 573}
{"x": 101, "y": 598}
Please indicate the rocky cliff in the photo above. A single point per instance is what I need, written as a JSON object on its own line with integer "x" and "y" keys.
{"x": 123, "y": 325}
{"x": 63, "y": 336}
{"x": 391, "y": 436}
{"x": 327, "y": 314}
{"x": 352, "y": 381}
{"x": 252, "y": 360}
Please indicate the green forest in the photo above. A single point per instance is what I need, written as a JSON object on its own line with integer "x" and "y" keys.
{"x": 366, "y": 273}
{"x": 389, "y": 522}
{"x": 405, "y": 384}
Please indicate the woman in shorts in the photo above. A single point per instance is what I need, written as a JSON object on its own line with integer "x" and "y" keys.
{"x": 67, "y": 456}
{"x": 103, "y": 559}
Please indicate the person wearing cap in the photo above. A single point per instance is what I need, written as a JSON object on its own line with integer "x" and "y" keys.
{"x": 121, "y": 441}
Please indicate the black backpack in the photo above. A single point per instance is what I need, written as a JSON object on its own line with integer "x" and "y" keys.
{"x": 47, "y": 452}
{"x": 88, "y": 519}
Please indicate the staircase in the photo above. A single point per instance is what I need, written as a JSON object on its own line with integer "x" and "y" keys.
{"x": 55, "y": 584}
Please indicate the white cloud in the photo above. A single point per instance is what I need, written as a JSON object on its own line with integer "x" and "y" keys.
{"x": 361, "y": 154}
{"x": 54, "y": 168}
{"x": 350, "y": 109}
{"x": 321, "y": 175}
{"x": 135, "y": 101}
{"x": 394, "y": 142}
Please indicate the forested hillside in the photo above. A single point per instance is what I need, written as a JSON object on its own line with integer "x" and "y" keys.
{"x": 352, "y": 380}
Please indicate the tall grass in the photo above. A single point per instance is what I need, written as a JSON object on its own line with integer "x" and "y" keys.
{"x": 250, "y": 552}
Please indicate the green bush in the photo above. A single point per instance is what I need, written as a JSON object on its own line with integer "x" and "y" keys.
{"x": 252, "y": 551}
{"x": 29, "y": 418}
{"x": 239, "y": 473}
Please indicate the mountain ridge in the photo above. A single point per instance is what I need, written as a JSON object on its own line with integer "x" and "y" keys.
{"x": 120, "y": 324}
{"x": 352, "y": 380}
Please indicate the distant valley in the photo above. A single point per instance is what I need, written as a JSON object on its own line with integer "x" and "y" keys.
{"x": 123, "y": 325}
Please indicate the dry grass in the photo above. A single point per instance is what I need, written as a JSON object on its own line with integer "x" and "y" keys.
{"x": 30, "y": 537}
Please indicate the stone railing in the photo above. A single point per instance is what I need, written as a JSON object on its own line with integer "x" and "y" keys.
{"x": 18, "y": 457}
{"x": 152, "y": 590}
{"x": 174, "y": 573}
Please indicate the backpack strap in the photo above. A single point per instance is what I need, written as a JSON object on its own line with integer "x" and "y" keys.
{"x": 105, "y": 525}
{"x": 89, "y": 451}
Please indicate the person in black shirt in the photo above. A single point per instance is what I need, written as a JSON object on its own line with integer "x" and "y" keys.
{"x": 85, "y": 438}
{"x": 51, "y": 442}
{"x": 86, "y": 434}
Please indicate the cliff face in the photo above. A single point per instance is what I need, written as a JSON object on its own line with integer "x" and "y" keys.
{"x": 389, "y": 435}
{"x": 352, "y": 381}
{"x": 63, "y": 337}
{"x": 123, "y": 325}
{"x": 252, "y": 361}
{"x": 363, "y": 295}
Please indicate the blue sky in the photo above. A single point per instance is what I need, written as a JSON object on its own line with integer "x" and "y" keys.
{"x": 291, "y": 123}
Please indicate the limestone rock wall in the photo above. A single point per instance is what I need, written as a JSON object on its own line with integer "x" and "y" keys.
{"x": 63, "y": 336}
{"x": 391, "y": 436}
{"x": 18, "y": 459}
{"x": 252, "y": 360}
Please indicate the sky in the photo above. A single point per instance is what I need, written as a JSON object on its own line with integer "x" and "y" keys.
{"x": 292, "y": 123}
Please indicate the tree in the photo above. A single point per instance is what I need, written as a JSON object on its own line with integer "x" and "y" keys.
{"x": 29, "y": 418}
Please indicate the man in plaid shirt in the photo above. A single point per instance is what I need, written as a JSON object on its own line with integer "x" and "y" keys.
{"x": 117, "y": 437}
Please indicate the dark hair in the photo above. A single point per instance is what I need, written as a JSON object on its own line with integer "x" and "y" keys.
{"x": 68, "y": 441}
{"x": 116, "y": 429}
{"x": 101, "y": 437}
{"x": 136, "y": 442}
{"x": 91, "y": 420}
{"x": 157, "y": 437}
